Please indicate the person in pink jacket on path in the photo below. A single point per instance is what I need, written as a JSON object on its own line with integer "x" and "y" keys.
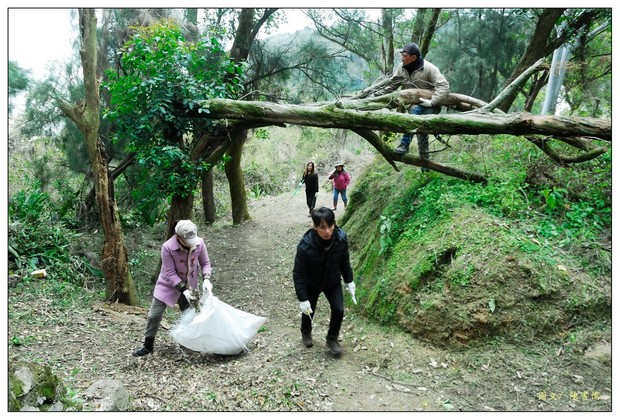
{"x": 183, "y": 256}
{"x": 341, "y": 180}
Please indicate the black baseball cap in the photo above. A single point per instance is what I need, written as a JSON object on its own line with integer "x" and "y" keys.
{"x": 411, "y": 49}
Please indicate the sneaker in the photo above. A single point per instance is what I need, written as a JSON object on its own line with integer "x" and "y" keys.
{"x": 402, "y": 149}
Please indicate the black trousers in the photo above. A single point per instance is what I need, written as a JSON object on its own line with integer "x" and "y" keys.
{"x": 311, "y": 200}
{"x": 336, "y": 304}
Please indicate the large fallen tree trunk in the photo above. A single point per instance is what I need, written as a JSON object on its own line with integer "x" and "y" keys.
{"x": 373, "y": 110}
{"x": 334, "y": 116}
{"x": 367, "y": 115}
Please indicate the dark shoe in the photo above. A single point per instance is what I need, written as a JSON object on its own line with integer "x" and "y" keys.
{"x": 142, "y": 352}
{"x": 424, "y": 170}
{"x": 402, "y": 149}
{"x": 334, "y": 346}
{"x": 147, "y": 348}
{"x": 306, "y": 338}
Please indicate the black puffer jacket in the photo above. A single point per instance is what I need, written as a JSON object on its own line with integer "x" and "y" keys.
{"x": 320, "y": 268}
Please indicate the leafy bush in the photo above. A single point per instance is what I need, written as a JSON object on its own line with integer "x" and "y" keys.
{"x": 29, "y": 205}
{"x": 38, "y": 239}
{"x": 163, "y": 70}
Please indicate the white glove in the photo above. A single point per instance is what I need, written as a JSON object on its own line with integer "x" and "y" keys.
{"x": 206, "y": 285}
{"x": 188, "y": 295}
{"x": 305, "y": 307}
{"x": 426, "y": 102}
{"x": 351, "y": 289}
{"x": 316, "y": 194}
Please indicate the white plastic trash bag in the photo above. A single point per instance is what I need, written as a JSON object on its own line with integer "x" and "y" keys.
{"x": 218, "y": 328}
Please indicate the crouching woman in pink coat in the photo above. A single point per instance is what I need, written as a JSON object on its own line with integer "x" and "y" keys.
{"x": 182, "y": 256}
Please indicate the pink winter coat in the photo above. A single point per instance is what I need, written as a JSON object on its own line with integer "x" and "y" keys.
{"x": 341, "y": 180}
{"x": 174, "y": 269}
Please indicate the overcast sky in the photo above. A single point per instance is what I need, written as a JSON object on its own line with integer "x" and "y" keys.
{"x": 38, "y": 37}
{"x": 53, "y": 37}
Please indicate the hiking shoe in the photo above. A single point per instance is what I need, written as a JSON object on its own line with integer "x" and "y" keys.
{"x": 149, "y": 343}
{"x": 402, "y": 149}
{"x": 334, "y": 346}
{"x": 306, "y": 338}
{"x": 142, "y": 352}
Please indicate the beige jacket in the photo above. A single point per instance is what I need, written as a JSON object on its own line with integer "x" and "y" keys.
{"x": 428, "y": 77}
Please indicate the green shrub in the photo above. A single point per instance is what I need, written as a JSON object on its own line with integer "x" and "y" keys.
{"x": 37, "y": 239}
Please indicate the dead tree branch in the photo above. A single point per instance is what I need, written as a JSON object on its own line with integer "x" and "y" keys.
{"x": 544, "y": 144}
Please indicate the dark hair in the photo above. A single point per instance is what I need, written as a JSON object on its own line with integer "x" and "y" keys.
{"x": 306, "y": 169}
{"x": 333, "y": 174}
{"x": 323, "y": 214}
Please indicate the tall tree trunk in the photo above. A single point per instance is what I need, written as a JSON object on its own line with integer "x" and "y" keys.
{"x": 537, "y": 84}
{"x": 119, "y": 283}
{"x": 208, "y": 199}
{"x": 236, "y": 181}
{"x": 180, "y": 209}
{"x": 429, "y": 32}
{"x": 191, "y": 16}
{"x": 556, "y": 77}
{"x": 244, "y": 37}
{"x": 417, "y": 35}
{"x": 180, "y": 206}
{"x": 206, "y": 182}
{"x": 424, "y": 28}
{"x": 387, "y": 28}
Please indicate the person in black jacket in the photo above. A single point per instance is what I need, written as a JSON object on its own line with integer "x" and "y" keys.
{"x": 311, "y": 178}
{"x": 322, "y": 259}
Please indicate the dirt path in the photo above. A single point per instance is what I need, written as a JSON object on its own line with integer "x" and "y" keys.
{"x": 253, "y": 271}
{"x": 381, "y": 369}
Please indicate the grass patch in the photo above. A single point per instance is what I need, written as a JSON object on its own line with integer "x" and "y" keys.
{"x": 451, "y": 261}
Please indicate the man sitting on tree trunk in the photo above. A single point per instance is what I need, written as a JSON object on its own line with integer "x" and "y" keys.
{"x": 420, "y": 74}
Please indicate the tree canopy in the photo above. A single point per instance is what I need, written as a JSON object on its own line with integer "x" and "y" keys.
{"x": 177, "y": 101}
{"x": 159, "y": 67}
